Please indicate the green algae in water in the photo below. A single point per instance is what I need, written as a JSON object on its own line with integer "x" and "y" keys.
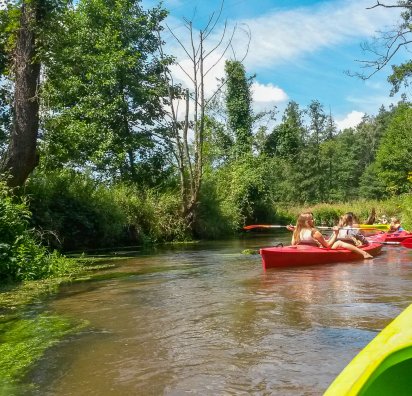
{"x": 24, "y": 340}
{"x": 250, "y": 251}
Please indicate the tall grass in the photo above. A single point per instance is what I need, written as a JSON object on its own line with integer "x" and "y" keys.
{"x": 328, "y": 214}
{"x": 76, "y": 212}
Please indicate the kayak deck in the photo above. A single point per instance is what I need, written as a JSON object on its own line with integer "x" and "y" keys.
{"x": 383, "y": 367}
{"x": 300, "y": 255}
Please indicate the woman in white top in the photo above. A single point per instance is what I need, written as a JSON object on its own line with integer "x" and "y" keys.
{"x": 305, "y": 233}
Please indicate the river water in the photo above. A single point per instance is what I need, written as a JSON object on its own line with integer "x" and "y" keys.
{"x": 205, "y": 319}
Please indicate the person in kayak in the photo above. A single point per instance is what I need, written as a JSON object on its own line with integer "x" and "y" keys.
{"x": 349, "y": 232}
{"x": 395, "y": 225}
{"x": 305, "y": 233}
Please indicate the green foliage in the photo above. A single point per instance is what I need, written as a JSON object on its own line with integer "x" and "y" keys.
{"x": 103, "y": 111}
{"x": 328, "y": 214}
{"x": 239, "y": 107}
{"x": 74, "y": 211}
{"x": 286, "y": 140}
{"x": 151, "y": 216}
{"x": 394, "y": 156}
{"x": 405, "y": 211}
{"x": 21, "y": 256}
{"x": 400, "y": 75}
{"x": 371, "y": 186}
{"x": 215, "y": 219}
{"x": 243, "y": 187}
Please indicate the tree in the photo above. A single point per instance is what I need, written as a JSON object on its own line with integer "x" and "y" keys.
{"x": 20, "y": 158}
{"x": 189, "y": 154}
{"x": 103, "y": 114}
{"x": 312, "y": 167}
{"x": 394, "y": 156}
{"x": 286, "y": 140}
{"x": 5, "y": 90}
{"x": 239, "y": 106}
{"x": 389, "y": 43}
{"x": 26, "y": 34}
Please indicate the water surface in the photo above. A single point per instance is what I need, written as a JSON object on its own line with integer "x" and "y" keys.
{"x": 206, "y": 320}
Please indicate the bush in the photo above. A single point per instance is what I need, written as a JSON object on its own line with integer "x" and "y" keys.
{"x": 74, "y": 211}
{"x": 151, "y": 216}
{"x": 22, "y": 257}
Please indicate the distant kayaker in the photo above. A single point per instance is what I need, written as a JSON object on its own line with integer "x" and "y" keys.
{"x": 305, "y": 233}
{"x": 383, "y": 219}
{"x": 395, "y": 225}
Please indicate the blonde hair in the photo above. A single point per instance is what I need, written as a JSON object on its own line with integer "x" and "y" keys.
{"x": 301, "y": 223}
{"x": 346, "y": 220}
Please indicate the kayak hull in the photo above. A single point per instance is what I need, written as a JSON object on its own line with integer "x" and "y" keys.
{"x": 301, "y": 255}
{"x": 391, "y": 237}
{"x": 397, "y": 236}
{"x": 383, "y": 367}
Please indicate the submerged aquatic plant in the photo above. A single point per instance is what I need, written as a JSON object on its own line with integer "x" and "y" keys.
{"x": 24, "y": 340}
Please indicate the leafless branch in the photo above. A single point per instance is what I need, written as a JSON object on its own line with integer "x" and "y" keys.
{"x": 220, "y": 41}
{"x": 216, "y": 21}
{"x": 379, "y": 4}
{"x": 178, "y": 40}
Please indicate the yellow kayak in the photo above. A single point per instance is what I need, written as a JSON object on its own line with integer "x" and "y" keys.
{"x": 383, "y": 367}
{"x": 382, "y": 227}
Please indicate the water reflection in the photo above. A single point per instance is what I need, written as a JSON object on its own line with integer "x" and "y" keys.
{"x": 207, "y": 320}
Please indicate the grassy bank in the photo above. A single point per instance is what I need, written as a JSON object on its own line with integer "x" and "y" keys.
{"x": 327, "y": 214}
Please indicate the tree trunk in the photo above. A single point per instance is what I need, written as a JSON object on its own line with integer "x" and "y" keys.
{"x": 21, "y": 157}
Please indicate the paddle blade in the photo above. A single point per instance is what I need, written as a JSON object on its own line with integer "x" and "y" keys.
{"x": 407, "y": 243}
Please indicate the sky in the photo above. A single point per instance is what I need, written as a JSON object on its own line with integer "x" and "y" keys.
{"x": 300, "y": 50}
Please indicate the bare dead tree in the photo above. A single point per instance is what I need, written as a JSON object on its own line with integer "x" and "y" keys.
{"x": 187, "y": 132}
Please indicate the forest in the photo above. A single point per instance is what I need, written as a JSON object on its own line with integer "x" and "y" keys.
{"x": 100, "y": 146}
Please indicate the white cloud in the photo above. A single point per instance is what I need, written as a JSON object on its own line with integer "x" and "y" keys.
{"x": 371, "y": 103}
{"x": 213, "y": 67}
{"x": 351, "y": 120}
{"x": 268, "y": 93}
{"x": 284, "y": 36}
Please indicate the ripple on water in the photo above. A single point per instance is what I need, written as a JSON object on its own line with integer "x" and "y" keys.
{"x": 210, "y": 321}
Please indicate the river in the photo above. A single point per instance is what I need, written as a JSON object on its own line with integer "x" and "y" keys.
{"x": 205, "y": 319}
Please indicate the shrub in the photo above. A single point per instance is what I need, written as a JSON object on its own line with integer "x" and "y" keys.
{"x": 74, "y": 211}
{"x": 22, "y": 257}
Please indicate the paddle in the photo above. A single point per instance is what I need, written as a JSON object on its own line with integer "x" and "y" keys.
{"x": 405, "y": 243}
{"x": 361, "y": 227}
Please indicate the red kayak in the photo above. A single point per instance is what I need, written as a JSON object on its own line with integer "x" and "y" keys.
{"x": 397, "y": 236}
{"x": 288, "y": 256}
{"x": 391, "y": 236}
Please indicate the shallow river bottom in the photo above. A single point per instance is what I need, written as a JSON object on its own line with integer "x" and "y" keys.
{"x": 206, "y": 320}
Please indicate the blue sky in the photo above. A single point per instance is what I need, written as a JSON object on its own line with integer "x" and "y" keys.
{"x": 300, "y": 50}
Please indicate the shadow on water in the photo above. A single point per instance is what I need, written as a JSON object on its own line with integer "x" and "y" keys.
{"x": 205, "y": 319}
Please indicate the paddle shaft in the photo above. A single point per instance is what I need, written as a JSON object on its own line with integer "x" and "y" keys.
{"x": 368, "y": 227}
{"x": 405, "y": 243}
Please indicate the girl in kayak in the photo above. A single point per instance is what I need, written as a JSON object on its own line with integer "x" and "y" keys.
{"x": 305, "y": 233}
{"x": 348, "y": 231}
{"x": 395, "y": 225}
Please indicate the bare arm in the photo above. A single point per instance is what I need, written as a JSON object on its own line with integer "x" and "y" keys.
{"x": 323, "y": 242}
